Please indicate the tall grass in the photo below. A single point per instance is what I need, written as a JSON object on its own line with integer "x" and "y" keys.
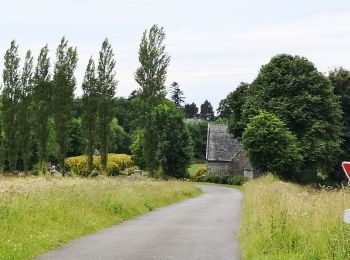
{"x": 286, "y": 221}
{"x": 38, "y": 214}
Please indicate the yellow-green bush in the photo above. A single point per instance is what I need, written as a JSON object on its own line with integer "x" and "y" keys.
{"x": 116, "y": 163}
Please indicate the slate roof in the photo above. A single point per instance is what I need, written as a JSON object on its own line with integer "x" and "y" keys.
{"x": 221, "y": 146}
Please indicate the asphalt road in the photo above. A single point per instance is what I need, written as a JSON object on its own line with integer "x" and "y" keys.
{"x": 202, "y": 228}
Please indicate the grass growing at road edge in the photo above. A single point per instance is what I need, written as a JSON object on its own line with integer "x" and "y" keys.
{"x": 286, "y": 221}
{"x": 38, "y": 214}
{"x": 192, "y": 170}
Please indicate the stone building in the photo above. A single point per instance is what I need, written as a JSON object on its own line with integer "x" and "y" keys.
{"x": 225, "y": 154}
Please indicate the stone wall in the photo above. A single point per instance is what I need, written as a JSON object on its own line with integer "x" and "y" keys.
{"x": 223, "y": 168}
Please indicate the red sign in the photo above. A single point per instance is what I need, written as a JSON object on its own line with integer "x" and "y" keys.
{"x": 346, "y": 167}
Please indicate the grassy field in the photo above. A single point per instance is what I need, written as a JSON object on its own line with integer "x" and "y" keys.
{"x": 192, "y": 170}
{"x": 38, "y": 214}
{"x": 286, "y": 221}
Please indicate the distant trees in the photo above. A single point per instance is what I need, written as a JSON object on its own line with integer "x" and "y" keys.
{"x": 198, "y": 132}
{"x": 151, "y": 76}
{"x": 191, "y": 110}
{"x": 63, "y": 95}
{"x": 207, "y": 111}
{"x": 177, "y": 96}
{"x": 106, "y": 87}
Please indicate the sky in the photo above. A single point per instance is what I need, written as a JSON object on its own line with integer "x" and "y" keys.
{"x": 214, "y": 45}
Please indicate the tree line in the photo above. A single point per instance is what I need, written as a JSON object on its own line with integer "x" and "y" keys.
{"x": 42, "y": 120}
{"x": 293, "y": 120}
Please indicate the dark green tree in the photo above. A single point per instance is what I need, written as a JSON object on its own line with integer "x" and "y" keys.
{"x": 191, "y": 110}
{"x": 90, "y": 104}
{"x": 303, "y": 98}
{"x": 151, "y": 76}
{"x": 271, "y": 147}
{"x": 42, "y": 89}
{"x": 63, "y": 96}
{"x": 340, "y": 79}
{"x": 198, "y": 132}
{"x": 177, "y": 96}
{"x": 136, "y": 148}
{"x": 234, "y": 102}
{"x": 174, "y": 149}
{"x": 76, "y": 137}
{"x": 120, "y": 141}
{"x": 207, "y": 111}
{"x": 10, "y": 104}
{"x": 107, "y": 86}
{"x": 25, "y": 115}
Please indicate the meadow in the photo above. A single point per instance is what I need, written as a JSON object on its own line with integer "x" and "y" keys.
{"x": 40, "y": 213}
{"x": 282, "y": 220}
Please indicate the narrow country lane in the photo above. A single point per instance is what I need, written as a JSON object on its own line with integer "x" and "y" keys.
{"x": 202, "y": 228}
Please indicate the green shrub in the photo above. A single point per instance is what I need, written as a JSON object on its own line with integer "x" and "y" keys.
{"x": 199, "y": 174}
{"x": 223, "y": 179}
{"x": 115, "y": 164}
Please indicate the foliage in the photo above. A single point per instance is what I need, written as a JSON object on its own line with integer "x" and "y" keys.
{"x": 90, "y": 102}
{"x": 151, "y": 77}
{"x": 286, "y": 221}
{"x": 192, "y": 170}
{"x": 124, "y": 109}
{"x": 107, "y": 85}
{"x": 63, "y": 95}
{"x": 234, "y": 102}
{"x": 76, "y": 137}
{"x": 174, "y": 145}
{"x": 38, "y": 214}
{"x": 207, "y": 111}
{"x": 177, "y": 96}
{"x": 340, "y": 79}
{"x": 120, "y": 141}
{"x": 237, "y": 180}
{"x": 42, "y": 90}
{"x": 10, "y": 106}
{"x": 200, "y": 173}
{"x": 198, "y": 132}
{"x": 291, "y": 88}
{"x": 137, "y": 149}
{"x": 271, "y": 147}
{"x": 115, "y": 163}
{"x": 191, "y": 110}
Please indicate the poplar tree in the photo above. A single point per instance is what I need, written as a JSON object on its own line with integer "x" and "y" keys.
{"x": 41, "y": 104}
{"x": 107, "y": 86}
{"x": 63, "y": 96}
{"x": 151, "y": 76}
{"x": 90, "y": 109}
{"x": 25, "y": 122}
{"x": 10, "y": 99}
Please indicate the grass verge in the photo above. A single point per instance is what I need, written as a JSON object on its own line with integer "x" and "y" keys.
{"x": 286, "y": 221}
{"x": 38, "y": 214}
{"x": 192, "y": 170}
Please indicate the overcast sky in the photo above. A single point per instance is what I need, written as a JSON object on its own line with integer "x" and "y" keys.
{"x": 213, "y": 45}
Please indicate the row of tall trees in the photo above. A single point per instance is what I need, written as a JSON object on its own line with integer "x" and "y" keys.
{"x": 38, "y": 106}
{"x": 32, "y": 98}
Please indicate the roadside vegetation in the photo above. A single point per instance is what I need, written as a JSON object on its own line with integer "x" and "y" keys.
{"x": 282, "y": 220}
{"x": 39, "y": 214}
